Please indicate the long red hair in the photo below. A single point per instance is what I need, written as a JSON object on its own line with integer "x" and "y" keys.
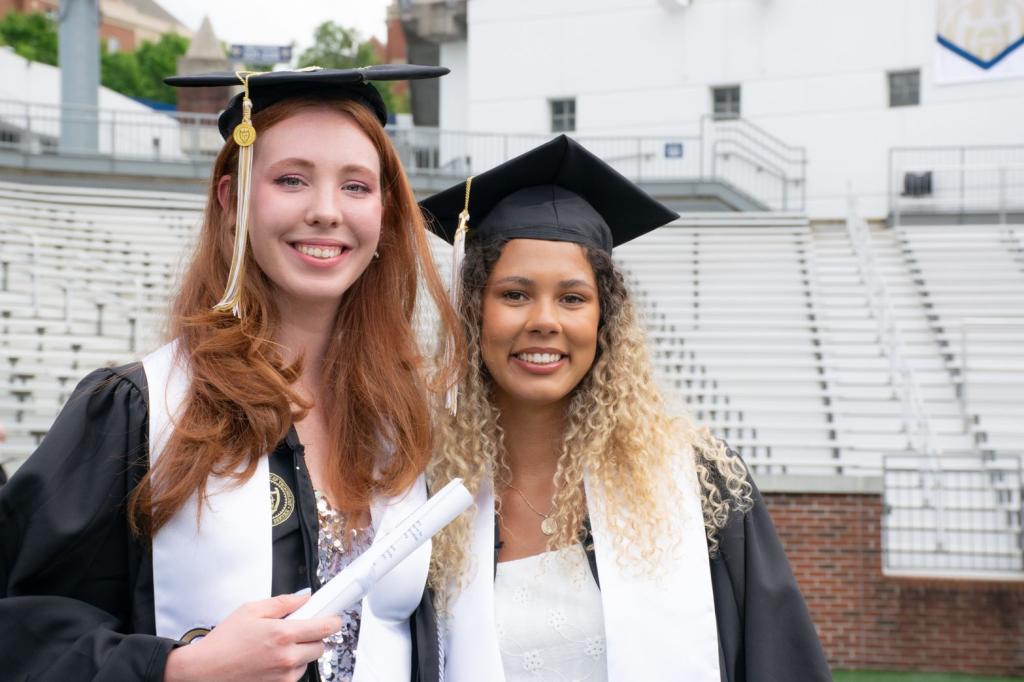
{"x": 242, "y": 398}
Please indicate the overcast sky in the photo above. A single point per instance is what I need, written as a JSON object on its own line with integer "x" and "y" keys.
{"x": 281, "y": 22}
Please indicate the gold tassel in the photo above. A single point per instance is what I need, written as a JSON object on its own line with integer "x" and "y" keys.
{"x": 455, "y": 290}
{"x": 244, "y": 135}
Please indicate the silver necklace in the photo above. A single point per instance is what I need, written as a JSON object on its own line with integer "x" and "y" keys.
{"x": 547, "y": 524}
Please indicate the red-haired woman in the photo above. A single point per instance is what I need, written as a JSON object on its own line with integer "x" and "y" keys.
{"x": 263, "y": 448}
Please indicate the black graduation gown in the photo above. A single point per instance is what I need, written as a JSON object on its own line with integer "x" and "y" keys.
{"x": 765, "y": 633}
{"x": 76, "y": 588}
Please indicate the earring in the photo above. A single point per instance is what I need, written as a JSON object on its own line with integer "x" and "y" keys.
{"x": 376, "y": 255}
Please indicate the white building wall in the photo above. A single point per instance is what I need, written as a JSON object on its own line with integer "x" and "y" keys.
{"x": 454, "y": 113}
{"x": 812, "y": 72}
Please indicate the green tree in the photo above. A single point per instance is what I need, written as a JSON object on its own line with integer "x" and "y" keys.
{"x": 136, "y": 74}
{"x": 158, "y": 61}
{"x": 120, "y": 71}
{"x": 337, "y": 47}
{"x": 141, "y": 73}
{"x": 33, "y": 36}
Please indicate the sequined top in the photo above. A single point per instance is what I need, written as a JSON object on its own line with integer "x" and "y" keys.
{"x": 334, "y": 554}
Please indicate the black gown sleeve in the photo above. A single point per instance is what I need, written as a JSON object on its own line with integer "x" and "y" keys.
{"x": 75, "y": 586}
{"x": 764, "y": 629}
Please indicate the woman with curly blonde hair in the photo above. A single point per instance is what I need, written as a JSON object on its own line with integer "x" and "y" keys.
{"x": 610, "y": 540}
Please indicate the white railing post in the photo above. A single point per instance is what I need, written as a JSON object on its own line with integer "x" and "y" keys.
{"x": 896, "y": 217}
{"x": 27, "y": 141}
{"x": 1002, "y": 194}
{"x": 33, "y": 265}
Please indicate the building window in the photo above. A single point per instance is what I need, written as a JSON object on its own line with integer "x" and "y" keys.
{"x": 905, "y": 88}
{"x": 725, "y": 101}
{"x": 113, "y": 45}
{"x": 563, "y": 115}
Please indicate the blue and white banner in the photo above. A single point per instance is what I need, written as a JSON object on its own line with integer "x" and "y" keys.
{"x": 979, "y": 40}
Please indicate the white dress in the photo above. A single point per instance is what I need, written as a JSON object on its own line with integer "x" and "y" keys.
{"x": 549, "y": 618}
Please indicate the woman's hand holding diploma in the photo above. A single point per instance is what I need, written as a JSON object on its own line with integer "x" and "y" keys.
{"x": 274, "y": 639}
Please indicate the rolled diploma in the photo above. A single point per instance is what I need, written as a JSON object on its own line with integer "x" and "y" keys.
{"x": 348, "y": 587}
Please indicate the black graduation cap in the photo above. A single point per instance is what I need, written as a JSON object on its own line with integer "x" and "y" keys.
{"x": 274, "y": 86}
{"x": 558, "y": 191}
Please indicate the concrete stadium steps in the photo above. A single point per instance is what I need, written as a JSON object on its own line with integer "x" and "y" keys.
{"x": 87, "y": 275}
{"x": 758, "y": 324}
{"x": 972, "y": 283}
{"x": 723, "y": 293}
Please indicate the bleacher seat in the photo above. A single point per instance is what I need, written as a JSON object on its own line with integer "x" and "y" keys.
{"x": 759, "y": 324}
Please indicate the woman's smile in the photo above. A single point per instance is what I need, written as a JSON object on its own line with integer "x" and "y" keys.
{"x": 320, "y": 253}
{"x": 540, "y": 360}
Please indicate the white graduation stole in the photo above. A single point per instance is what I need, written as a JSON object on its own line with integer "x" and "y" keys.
{"x": 659, "y": 627}
{"x": 200, "y": 575}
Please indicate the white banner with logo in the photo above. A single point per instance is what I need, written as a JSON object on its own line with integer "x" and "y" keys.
{"x": 979, "y": 40}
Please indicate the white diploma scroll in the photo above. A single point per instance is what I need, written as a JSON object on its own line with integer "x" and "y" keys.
{"x": 347, "y": 588}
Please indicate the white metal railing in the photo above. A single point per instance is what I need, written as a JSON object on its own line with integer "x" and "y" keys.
{"x": 733, "y": 151}
{"x": 987, "y": 180}
{"x": 459, "y": 153}
{"x": 752, "y": 159}
{"x": 977, "y": 533}
{"x": 34, "y": 128}
{"x": 995, "y": 189}
{"x": 901, "y": 373}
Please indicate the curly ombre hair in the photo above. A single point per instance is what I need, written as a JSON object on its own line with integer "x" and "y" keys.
{"x": 617, "y": 429}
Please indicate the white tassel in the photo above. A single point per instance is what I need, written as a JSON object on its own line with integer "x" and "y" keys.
{"x": 244, "y": 135}
{"x": 455, "y": 288}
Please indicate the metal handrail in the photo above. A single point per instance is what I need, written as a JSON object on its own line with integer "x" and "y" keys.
{"x": 1001, "y": 209}
{"x": 955, "y": 158}
{"x": 743, "y": 133}
{"x": 801, "y": 151}
{"x": 1005, "y": 465}
{"x": 756, "y": 158}
{"x": 915, "y": 417}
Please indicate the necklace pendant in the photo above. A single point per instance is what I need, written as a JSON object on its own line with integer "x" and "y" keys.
{"x": 547, "y": 526}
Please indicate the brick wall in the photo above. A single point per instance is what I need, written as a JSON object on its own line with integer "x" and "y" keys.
{"x": 870, "y": 621}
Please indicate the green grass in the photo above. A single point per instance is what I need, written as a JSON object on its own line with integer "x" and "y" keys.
{"x": 873, "y": 676}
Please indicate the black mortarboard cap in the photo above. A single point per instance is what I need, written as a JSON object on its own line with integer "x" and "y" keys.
{"x": 558, "y": 191}
{"x": 273, "y": 86}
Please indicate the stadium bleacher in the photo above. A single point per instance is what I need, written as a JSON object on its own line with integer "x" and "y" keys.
{"x": 85, "y": 278}
{"x": 760, "y": 325}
